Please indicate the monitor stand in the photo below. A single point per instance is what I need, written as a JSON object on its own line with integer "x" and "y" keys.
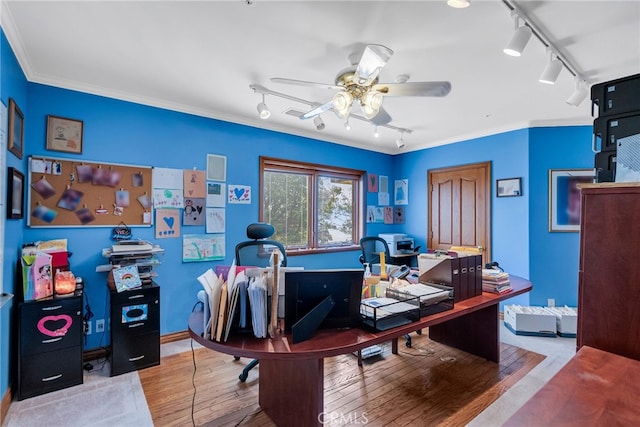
{"x": 304, "y": 328}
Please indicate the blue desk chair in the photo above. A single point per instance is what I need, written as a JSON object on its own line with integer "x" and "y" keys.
{"x": 257, "y": 253}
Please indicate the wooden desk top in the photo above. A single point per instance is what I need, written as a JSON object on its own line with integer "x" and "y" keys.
{"x": 594, "y": 388}
{"x": 332, "y": 342}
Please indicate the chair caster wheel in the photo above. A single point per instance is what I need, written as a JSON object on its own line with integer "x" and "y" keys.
{"x": 408, "y": 343}
{"x": 419, "y": 332}
{"x": 242, "y": 377}
{"x": 236, "y": 358}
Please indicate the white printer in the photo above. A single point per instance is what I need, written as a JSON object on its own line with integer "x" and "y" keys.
{"x": 399, "y": 244}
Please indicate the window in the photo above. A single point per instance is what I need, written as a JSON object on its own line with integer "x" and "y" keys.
{"x": 312, "y": 207}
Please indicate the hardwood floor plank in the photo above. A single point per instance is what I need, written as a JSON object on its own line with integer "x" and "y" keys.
{"x": 427, "y": 384}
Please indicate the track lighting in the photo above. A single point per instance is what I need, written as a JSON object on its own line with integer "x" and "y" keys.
{"x": 400, "y": 142}
{"x": 263, "y": 111}
{"x": 519, "y": 39}
{"x": 551, "y": 71}
{"x": 317, "y": 120}
{"x": 376, "y": 134}
{"x": 579, "y": 94}
{"x": 347, "y": 125}
{"x": 459, "y": 4}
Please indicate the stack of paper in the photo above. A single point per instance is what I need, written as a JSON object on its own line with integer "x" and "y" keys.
{"x": 495, "y": 281}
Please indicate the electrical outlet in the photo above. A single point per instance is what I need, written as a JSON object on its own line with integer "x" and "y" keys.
{"x": 88, "y": 328}
{"x": 99, "y": 325}
{"x": 551, "y": 302}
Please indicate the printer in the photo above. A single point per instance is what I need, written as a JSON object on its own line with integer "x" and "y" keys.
{"x": 399, "y": 244}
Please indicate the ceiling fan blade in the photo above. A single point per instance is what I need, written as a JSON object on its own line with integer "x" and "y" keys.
{"x": 304, "y": 83}
{"x": 382, "y": 118}
{"x": 374, "y": 57}
{"x": 318, "y": 110}
{"x": 414, "y": 89}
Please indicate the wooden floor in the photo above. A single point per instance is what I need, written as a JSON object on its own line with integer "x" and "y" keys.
{"x": 427, "y": 384}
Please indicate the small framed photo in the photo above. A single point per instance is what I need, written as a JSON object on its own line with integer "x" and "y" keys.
{"x": 509, "y": 187}
{"x": 16, "y": 129}
{"x": 565, "y": 198}
{"x": 15, "y": 194}
{"x": 64, "y": 134}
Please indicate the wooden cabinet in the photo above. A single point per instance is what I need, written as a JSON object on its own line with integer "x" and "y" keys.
{"x": 135, "y": 329}
{"x": 608, "y": 292}
{"x": 50, "y": 345}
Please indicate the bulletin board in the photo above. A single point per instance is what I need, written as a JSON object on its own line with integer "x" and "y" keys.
{"x": 81, "y": 193}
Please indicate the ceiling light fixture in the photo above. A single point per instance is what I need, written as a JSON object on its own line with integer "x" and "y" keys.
{"x": 347, "y": 125}
{"x": 263, "y": 110}
{"x": 459, "y": 4}
{"x": 551, "y": 71}
{"x": 317, "y": 120}
{"x": 342, "y": 104}
{"x": 371, "y": 103}
{"x": 400, "y": 142}
{"x": 519, "y": 39}
{"x": 579, "y": 94}
{"x": 554, "y": 67}
{"x": 376, "y": 134}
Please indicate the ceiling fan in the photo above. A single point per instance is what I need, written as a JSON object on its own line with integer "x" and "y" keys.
{"x": 359, "y": 83}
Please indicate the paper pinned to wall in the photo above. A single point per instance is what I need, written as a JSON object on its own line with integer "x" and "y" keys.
{"x": 215, "y": 220}
{"x": 401, "y": 192}
{"x": 198, "y": 248}
{"x": 167, "y": 178}
{"x": 194, "y": 183}
{"x": 216, "y": 194}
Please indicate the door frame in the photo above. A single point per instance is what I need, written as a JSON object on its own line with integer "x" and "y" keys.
{"x": 486, "y": 252}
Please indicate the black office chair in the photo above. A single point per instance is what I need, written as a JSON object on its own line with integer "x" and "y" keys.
{"x": 257, "y": 253}
{"x": 371, "y": 247}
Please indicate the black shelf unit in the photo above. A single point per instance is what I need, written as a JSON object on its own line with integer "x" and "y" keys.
{"x": 135, "y": 329}
{"x": 50, "y": 345}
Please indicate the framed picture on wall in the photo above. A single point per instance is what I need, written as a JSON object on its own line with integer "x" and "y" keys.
{"x": 64, "y": 134}
{"x": 15, "y": 194}
{"x": 16, "y": 129}
{"x": 509, "y": 187}
{"x": 565, "y": 197}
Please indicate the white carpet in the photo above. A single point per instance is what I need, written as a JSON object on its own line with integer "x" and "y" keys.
{"x": 100, "y": 401}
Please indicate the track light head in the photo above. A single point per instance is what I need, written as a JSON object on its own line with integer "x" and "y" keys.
{"x": 578, "y": 95}
{"x": 400, "y": 142}
{"x": 317, "y": 120}
{"x": 518, "y": 41}
{"x": 347, "y": 125}
{"x": 263, "y": 110}
{"x": 459, "y": 4}
{"x": 551, "y": 71}
{"x": 376, "y": 134}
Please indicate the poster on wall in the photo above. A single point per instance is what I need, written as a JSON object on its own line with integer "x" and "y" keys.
{"x": 215, "y": 220}
{"x": 401, "y": 192}
{"x": 199, "y": 248}
{"x": 193, "y": 213}
{"x": 239, "y": 194}
{"x": 216, "y": 194}
{"x": 372, "y": 183}
{"x": 194, "y": 184}
{"x": 167, "y": 178}
{"x": 167, "y": 223}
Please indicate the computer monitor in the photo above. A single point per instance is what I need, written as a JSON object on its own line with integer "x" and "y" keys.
{"x": 335, "y": 296}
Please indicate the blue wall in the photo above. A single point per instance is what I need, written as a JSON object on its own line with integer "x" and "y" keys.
{"x": 122, "y": 132}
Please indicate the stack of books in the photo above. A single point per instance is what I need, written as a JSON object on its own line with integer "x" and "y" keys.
{"x": 495, "y": 281}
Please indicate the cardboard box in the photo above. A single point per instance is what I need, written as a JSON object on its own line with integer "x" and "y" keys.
{"x": 566, "y": 320}
{"x": 531, "y": 321}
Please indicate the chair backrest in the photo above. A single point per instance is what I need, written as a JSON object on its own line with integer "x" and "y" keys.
{"x": 371, "y": 248}
{"x": 257, "y": 252}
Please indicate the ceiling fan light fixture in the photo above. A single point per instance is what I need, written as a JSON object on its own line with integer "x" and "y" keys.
{"x": 519, "y": 39}
{"x": 371, "y": 103}
{"x": 263, "y": 110}
{"x": 317, "y": 120}
{"x": 551, "y": 71}
{"x": 459, "y": 4}
{"x": 342, "y": 104}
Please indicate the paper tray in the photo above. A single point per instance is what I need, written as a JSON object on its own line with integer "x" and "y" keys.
{"x": 434, "y": 298}
{"x": 385, "y": 313}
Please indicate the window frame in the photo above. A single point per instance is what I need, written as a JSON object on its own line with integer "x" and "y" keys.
{"x": 314, "y": 171}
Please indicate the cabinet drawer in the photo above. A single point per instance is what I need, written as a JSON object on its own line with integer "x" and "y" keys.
{"x": 50, "y": 325}
{"x": 131, "y": 352}
{"x": 49, "y": 371}
{"x": 138, "y": 317}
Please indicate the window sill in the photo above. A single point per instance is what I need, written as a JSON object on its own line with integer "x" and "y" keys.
{"x": 317, "y": 251}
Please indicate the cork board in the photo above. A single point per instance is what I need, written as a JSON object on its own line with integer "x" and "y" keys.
{"x": 75, "y": 193}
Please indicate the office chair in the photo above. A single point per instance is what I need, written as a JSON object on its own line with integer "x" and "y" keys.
{"x": 371, "y": 247}
{"x": 257, "y": 253}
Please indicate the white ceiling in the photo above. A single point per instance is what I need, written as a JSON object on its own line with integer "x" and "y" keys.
{"x": 200, "y": 57}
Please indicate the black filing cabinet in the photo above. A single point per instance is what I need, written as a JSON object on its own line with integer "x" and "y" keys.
{"x": 135, "y": 329}
{"x": 50, "y": 345}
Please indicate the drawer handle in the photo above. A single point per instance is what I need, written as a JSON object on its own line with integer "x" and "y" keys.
{"x": 135, "y": 359}
{"x": 53, "y": 307}
{"x": 136, "y": 296}
{"x": 135, "y": 325}
{"x": 51, "y": 340}
{"x": 55, "y": 377}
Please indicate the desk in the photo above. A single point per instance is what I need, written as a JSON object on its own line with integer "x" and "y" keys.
{"x": 594, "y": 388}
{"x": 289, "y": 371}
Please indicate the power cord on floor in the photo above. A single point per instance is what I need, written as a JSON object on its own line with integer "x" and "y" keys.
{"x": 193, "y": 384}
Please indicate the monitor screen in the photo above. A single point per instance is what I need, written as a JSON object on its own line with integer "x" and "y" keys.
{"x": 305, "y": 289}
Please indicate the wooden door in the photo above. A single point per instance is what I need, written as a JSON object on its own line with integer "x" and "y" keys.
{"x": 460, "y": 207}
